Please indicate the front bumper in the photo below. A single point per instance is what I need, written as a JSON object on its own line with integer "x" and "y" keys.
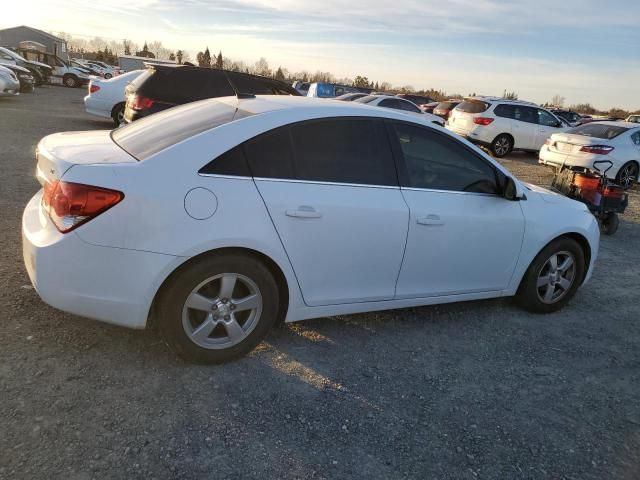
{"x": 113, "y": 285}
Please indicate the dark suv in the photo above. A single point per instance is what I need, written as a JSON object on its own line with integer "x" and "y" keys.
{"x": 165, "y": 86}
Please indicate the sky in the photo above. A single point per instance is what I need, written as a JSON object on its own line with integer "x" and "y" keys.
{"x": 583, "y": 50}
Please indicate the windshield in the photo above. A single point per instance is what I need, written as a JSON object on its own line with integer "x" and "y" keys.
{"x": 149, "y": 135}
{"x": 12, "y": 54}
{"x": 367, "y": 99}
{"x": 598, "y": 130}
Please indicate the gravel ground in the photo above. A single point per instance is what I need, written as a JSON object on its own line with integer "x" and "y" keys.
{"x": 463, "y": 391}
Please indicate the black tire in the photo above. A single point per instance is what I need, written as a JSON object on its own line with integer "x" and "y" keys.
{"x": 117, "y": 114}
{"x": 173, "y": 314}
{"x": 627, "y": 175}
{"x": 107, "y": 76}
{"x": 530, "y": 294}
{"x": 609, "y": 223}
{"x": 502, "y": 145}
{"x": 70, "y": 81}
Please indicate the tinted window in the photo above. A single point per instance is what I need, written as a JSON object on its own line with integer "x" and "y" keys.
{"x": 447, "y": 105}
{"x": 546, "y": 119}
{"x": 231, "y": 162}
{"x": 505, "y": 111}
{"x": 474, "y": 106}
{"x": 344, "y": 150}
{"x": 367, "y": 99}
{"x": 525, "y": 114}
{"x": 258, "y": 85}
{"x": 408, "y": 106}
{"x": 435, "y": 161}
{"x": 635, "y": 138}
{"x": 599, "y": 130}
{"x": 270, "y": 155}
{"x": 154, "y": 133}
{"x": 390, "y": 103}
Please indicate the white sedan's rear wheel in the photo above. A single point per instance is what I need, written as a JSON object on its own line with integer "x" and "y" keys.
{"x": 218, "y": 308}
{"x": 627, "y": 175}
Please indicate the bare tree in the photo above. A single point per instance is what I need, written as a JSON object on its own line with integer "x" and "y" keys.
{"x": 557, "y": 101}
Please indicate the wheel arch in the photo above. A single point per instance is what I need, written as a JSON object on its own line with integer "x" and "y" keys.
{"x": 272, "y": 265}
{"x": 113, "y": 110}
{"x": 579, "y": 238}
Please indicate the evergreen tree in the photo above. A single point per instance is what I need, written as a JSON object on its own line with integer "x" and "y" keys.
{"x": 219, "y": 63}
{"x": 206, "y": 58}
{"x": 280, "y": 74}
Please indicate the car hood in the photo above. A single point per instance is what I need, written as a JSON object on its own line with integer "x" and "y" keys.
{"x": 16, "y": 68}
{"x": 38, "y": 64}
{"x": 549, "y": 196}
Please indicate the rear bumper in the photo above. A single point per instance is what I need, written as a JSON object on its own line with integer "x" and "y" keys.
{"x": 108, "y": 284}
{"x": 96, "y": 107}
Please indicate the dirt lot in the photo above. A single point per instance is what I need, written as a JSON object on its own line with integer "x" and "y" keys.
{"x": 464, "y": 391}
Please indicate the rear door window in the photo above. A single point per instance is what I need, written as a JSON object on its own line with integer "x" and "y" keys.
{"x": 390, "y": 103}
{"x": 408, "y": 106}
{"x": 546, "y": 119}
{"x": 343, "y": 150}
{"x": 504, "y": 111}
{"x": 525, "y": 114}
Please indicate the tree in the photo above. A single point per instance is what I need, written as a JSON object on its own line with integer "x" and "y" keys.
{"x": 280, "y": 74}
{"x": 172, "y": 56}
{"x": 219, "y": 60}
{"x": 262, "y": 67}
{"x": 145, "y": 52}
{"x": 206, "y": 58}
{"x": 384, "y": 86}
{"x": 127, "y": 47}
{"x": 179, "y": 56}
{"x": 376, "y": 87}
{"x": 361, "y": 82}
{"x": 557, "y": 101}
{"x": 510, "y": 95}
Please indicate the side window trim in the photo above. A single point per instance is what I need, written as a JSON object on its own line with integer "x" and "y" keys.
{"x": 401, "y": 166}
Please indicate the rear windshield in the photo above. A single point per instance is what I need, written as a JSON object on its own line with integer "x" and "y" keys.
{"x": 599, "y": 130}
{"x": 473, "y": 106}
{"x": 259, "y": 85}
{"x": 152, "y": 134}
{"x": 447, "y": 105}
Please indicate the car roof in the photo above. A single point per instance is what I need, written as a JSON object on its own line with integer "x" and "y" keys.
{"x": 616, "y": 123}
{"x": 320, "y": 107}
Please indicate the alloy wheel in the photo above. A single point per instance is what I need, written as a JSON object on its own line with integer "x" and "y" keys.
{"x": 628, "y": 175}
{"x": 222, "y": 311}
{"x": 501, "y": 146}
{"x": 556, "y": 277}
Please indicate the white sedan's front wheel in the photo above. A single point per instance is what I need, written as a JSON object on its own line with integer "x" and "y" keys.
{"x": 218, "y": 308}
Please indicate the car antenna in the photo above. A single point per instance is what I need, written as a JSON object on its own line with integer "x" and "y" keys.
{"x": 239, "y": 95}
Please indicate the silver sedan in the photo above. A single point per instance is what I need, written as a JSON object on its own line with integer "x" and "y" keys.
{"x": 9, "y": 83}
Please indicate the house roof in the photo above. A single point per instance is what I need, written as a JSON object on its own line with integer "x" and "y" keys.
{"x": 41, "y": 32}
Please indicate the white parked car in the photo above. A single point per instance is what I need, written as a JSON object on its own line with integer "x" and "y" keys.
{"x": 633, "y": 118}
{"x": 105, "y": 70}
{"x": 617, "y": 142}
{"x": 9, "y": 83}
{"x": 397, "y": 103}
{"x": 504, "y": 125}
{"x": 106, "y": 98}
{"x": 216, "y": 218}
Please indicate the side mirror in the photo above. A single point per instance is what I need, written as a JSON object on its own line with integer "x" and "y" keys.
{"x": 507, "y": 185}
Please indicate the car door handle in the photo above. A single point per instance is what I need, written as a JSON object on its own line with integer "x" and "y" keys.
{"x": 303, "y": 211}
{"x": 430, "y": 220}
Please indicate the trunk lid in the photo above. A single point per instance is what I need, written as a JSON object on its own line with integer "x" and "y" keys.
{"x": 571, "y": 144}
{"x": 59, "y": 152}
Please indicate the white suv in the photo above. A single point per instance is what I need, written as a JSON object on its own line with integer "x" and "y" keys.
{"x": 504, "y": 125}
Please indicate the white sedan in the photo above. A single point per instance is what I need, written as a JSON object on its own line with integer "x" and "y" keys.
{"x": 214, "y": 219}
{"x": 397, "y": 103}
{"x": 106, "y": 98}
{"x": 615, "y": 144}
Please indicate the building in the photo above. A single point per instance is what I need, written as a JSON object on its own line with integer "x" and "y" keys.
{"x": 11, "y": 37}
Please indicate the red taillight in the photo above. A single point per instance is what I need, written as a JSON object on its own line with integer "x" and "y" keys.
{"x": 597, "y": 149}
{"x": 138, "y": 102}
{"x": 484, "y": 121}
{"x": 69, "y": 205}
{"x": 93, "y": 88}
